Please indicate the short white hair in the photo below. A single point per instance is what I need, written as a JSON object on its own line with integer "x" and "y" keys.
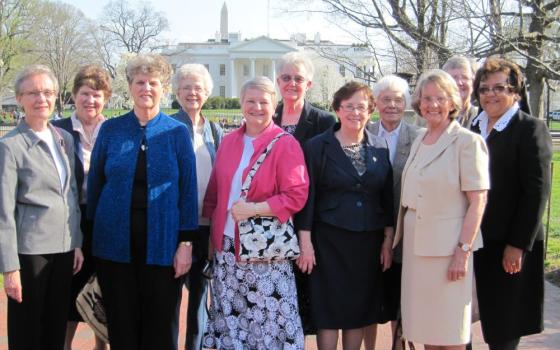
{"x": 296, "y": 59}
{"x": 195, "y": 69}
{"x": 461, "y": 62}
{"x": 393, "y": 83}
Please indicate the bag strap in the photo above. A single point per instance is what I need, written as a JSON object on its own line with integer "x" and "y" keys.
{"x": 214, "y": 130}
{"x": 257, "y": 165}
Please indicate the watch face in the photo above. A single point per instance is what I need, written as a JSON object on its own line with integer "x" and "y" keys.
{"x": 465, "y": 247}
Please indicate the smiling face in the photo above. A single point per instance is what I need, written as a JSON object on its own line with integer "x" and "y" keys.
{"x": 192, "y": 94}
{"x": 494, "y": 103}
{"x": 37, "y": 97}
{"x": 464, "y": 79}
{"x": 354, "y": 112}
{"x": 293, "y": 83}
{"x": 146, "y": 91}
{"x": 89, "y": 103}
{"x": 391, "y": 105}
{"x": 435, "y": 105}
{"x": 257, "y": 108}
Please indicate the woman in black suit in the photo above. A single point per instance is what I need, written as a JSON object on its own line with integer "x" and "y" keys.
{"x": 346, "y": 227}
{"x": 509, "y": 269}
{"x": 298, "y": 117}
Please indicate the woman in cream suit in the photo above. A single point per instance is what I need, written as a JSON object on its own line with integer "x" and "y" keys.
{"x": 443, "y": 196}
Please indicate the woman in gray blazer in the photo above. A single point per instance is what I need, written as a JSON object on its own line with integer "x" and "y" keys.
{"x": 40, "y": 236}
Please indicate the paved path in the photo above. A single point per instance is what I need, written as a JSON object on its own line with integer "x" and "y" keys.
{"x": 548, "y": 340}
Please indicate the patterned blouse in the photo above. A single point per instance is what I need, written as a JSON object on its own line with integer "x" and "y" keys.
{"x": 357, "y": 155}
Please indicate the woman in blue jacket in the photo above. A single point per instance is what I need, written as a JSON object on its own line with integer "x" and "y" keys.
{"x": 142, "y": 198}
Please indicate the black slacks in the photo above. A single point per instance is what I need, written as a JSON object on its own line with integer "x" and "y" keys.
{"x": 39, "y": 322}
{"x": 197, "y": 312}
{"x": 505, "y": 345}
{"x": 140, "y": 304}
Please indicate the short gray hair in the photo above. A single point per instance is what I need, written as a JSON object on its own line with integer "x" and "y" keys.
{"x": 151, "y": 64}
{"x": 263, "y": 84}
{"x": 445, "y": 82}
{"x": 461, "y": 62}
{"x": 296, "y": 59}
{"x": 393, "y": 83}
{"x": 193, "y": 69}
{"x": 32, "y": 70}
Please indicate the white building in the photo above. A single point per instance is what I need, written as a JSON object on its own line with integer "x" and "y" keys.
{"x": 231, "y": 61}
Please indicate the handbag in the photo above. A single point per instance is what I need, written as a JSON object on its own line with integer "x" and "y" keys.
{"x": 265, "y": 238}
{"x": 90, "y": 306}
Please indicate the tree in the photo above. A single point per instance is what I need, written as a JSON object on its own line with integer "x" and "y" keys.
{"x": 131, "y": 28}
{"x": 15, "y": 22}
{"x": 63, "y": 38}
{"x": 430, "y": 31}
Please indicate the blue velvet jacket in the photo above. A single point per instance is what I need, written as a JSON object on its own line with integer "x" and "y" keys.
{"x": 172, "y": 197}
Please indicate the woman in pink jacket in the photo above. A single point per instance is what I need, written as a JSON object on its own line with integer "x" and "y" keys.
{"x": 254, "y": 305}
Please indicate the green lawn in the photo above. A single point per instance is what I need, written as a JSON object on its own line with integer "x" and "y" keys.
{"x": 553, "y": 251}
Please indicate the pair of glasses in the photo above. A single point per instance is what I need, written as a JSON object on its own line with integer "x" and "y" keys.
{"x": 38, "y": 93}
{"x": 388, "y": 100}
{"x": 197, "y": 89}
{"x": 351, "y": 108}
{"x": 298, "y": 79}
{"x": 496, "y": 89}
{"x": 429, "y": 100}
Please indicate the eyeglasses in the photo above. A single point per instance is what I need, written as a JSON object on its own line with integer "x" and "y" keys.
{"x": 429, "y": 100}
{"x": 389, "y": 100}
{"x": 351, "y": 108}
{"x": 496, "y": 89}
{"x": 38, "y": 93}
{"x": 298, "y": 79}
{"x": 188, "y": 88}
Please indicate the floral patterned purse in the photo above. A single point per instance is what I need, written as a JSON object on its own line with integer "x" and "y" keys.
{"x": 265, "y": 238}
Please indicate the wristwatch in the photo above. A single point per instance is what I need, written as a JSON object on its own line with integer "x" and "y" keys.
{"x": 464, "y": 247}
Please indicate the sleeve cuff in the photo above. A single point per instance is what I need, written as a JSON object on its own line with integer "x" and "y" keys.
{"x": 187, "y": 235}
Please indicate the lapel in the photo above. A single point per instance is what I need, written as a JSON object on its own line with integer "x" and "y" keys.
{"x": 305, "y": 123}
{"x": 403, "y": 144}
{"x": 448, "y": 136}
{"x": 333, "y": 151}
{"x": 64, "y": 151}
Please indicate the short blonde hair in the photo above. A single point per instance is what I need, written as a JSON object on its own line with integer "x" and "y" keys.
{"x": 445, "y": 82}
{"x": 32, "y": 70}
{"x": 461, "y": 62}
{"x": 150, "y": 64}
{"x": 195, "y": 69}
{"x": 263, "y": 84}
{"x": 296, "y": 59}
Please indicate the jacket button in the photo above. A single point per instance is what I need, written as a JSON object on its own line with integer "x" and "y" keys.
{"x": 419, "y": 195}
{"x": 358, "y": 204}
{"x": 358, "y": 186}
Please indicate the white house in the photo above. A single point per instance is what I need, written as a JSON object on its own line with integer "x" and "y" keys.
{"x": 231, "y": 61}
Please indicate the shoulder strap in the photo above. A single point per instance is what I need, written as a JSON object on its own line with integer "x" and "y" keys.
{"x": 215, "y": 134}
{"x": 257, "y": 165}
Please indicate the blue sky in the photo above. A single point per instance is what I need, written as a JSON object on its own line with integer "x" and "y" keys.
{"x": 198, "y": 20}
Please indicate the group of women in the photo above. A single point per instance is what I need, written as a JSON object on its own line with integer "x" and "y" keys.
{"x": 154, "y": 197}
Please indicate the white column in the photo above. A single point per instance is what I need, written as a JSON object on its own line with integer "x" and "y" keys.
{"x": 273, "y": 74}
{"x": 232, "y": 80}
{"x": 252, "y": 75}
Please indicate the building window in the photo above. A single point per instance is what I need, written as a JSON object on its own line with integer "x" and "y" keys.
{"x": 265, "y": 70}
{"x": 207, "y": 67}
{"x": 222, "y": 69}
{"x": 222, "y": 91}
{"x": 174, "y": 67}
{"x": 245, "y": 70}
{"x": 342, "y": 70}
{"x": 359, "y": 73}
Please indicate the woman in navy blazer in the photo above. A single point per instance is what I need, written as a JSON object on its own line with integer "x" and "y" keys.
{"x": 142, "y": 198}
{"x": 346, "y": 227}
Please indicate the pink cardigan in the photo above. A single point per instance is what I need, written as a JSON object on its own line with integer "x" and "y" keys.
{"x": 281, "y": 180}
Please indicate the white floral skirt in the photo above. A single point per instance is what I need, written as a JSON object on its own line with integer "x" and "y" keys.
{"x": 253, "y": 305}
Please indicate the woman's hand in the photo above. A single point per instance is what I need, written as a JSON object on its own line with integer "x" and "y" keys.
{"x": 78, "y": 260}
{"x": 12, "y": 285}
{"x": 459, "y": 264}
{"x": 241, "y": 210}
{"x": 386, "y": 257}
{"x": 182, "y": 261}
{"x": 306, "y": 260}
{"x": 512, "y": 258}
